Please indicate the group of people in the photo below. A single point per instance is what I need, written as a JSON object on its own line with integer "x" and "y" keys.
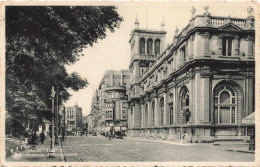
{"x": 33, "y": 139}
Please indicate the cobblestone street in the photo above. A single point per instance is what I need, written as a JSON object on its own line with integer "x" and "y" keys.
{"x": 97, "y": 148}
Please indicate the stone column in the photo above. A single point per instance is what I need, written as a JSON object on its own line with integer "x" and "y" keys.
{"x": 174, "y": 105}
{"x": 149, "y": 114}
{"x": 145, "y": 46}
{"x": 165, "y": 108}
{"x": 156, "y": 111}
{"x": 153, "y": 48}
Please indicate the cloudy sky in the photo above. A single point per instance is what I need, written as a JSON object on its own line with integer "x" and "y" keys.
{"x": 113, "y": 53}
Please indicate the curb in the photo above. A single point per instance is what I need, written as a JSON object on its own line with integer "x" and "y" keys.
{"x": 242, "y": 151}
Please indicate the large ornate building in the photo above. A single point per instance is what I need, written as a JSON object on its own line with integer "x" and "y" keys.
{"x": 109, "y": 105}
{"x": 198, "y": 88}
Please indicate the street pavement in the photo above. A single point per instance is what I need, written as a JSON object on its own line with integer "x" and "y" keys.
{"x": 99, "y": 148}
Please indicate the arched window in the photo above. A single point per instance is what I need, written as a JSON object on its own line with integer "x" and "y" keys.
{"x": 152, "y": 113}
{"x": 146, "y": 116}
{"x": 150, "y": 46}
{"x": 185, "y": 103}
{"x": 225, "y": 105}
{"x": 161, "y": 112}
{"x": 157, "y": 47}
{"x": 142, "y": 46}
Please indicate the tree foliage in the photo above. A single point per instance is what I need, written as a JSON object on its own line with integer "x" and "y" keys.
{"x": 40, "y": 41}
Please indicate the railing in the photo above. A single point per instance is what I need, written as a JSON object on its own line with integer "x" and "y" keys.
{"x": 217, "y": 21}
{"x": 143, "y": 56}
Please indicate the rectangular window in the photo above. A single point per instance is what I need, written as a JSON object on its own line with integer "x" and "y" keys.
{"x": 227, "y": 46}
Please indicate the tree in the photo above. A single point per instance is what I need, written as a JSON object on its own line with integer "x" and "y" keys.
{"x": 40, "y": 41}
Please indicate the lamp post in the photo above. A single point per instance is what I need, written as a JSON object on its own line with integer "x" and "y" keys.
{"x": 52, "y": 152}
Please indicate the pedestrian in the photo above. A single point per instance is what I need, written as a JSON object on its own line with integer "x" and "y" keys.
{"x": 42, "y": 136}
{"x": 34, "y": 139}
{"x": 111, "y": 133}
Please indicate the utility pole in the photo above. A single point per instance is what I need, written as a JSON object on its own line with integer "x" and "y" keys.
{"x": 52, "y": 152}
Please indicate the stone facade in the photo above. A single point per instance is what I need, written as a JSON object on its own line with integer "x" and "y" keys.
{"x": 198, "y": 88}
{"x": 109, "y": 105}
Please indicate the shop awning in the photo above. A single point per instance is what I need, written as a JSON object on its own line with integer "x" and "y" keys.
{"x": 250, "y": 119}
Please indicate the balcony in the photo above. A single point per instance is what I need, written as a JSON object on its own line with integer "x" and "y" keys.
{"x": 143, "y": 57}
{"x": 108, "y": 119}
{"x": 115, "y": 87}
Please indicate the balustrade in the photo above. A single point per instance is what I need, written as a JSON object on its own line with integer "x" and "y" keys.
{"x": 221, "y": 21}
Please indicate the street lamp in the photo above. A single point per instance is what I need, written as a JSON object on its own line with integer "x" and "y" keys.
{"x": 52, "y": 151}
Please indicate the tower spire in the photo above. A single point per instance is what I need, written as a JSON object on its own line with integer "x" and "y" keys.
{"x": 162, "y": 25}
{"x": 136, "y": 23}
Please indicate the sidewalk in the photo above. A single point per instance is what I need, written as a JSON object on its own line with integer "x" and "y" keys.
{"x": 234, "y": 146}
{"x": 40, "y": 154}
{"x": 228, "y": 146}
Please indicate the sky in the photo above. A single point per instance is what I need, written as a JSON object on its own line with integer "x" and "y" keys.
{"x": 113, "y": 52}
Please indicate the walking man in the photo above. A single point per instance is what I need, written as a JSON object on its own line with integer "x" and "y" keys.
{"x": 42, "y": 136}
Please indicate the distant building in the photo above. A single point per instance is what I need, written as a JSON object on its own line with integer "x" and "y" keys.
{"x": 109, "y": 105}
{"x": 73, "y": 117}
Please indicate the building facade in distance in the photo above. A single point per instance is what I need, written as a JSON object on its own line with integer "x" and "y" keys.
{"x": 73, "y": 117}
{"x": 198, "y": 88}
{"x": 109, "y": 105}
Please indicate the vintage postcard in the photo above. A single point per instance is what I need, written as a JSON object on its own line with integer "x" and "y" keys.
{"x": 130, "y": 83}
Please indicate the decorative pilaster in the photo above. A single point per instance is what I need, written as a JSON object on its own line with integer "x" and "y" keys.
{"x": 236, "y": 46}
{"x": 149, "y": 113}
{"x": 219, "y": 45}
{"x": 206, "y": 37}
{"x": 156, "y": 111}
{"x": 165, "y": 108}
{"x": 142, "y": 110}
{"x": 145, "y": 47}
{"x": 191, "y": 47}
{"x": 250, "y": 47}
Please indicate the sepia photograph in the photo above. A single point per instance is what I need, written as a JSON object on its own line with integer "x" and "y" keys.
{"x": 129, "y": 82}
